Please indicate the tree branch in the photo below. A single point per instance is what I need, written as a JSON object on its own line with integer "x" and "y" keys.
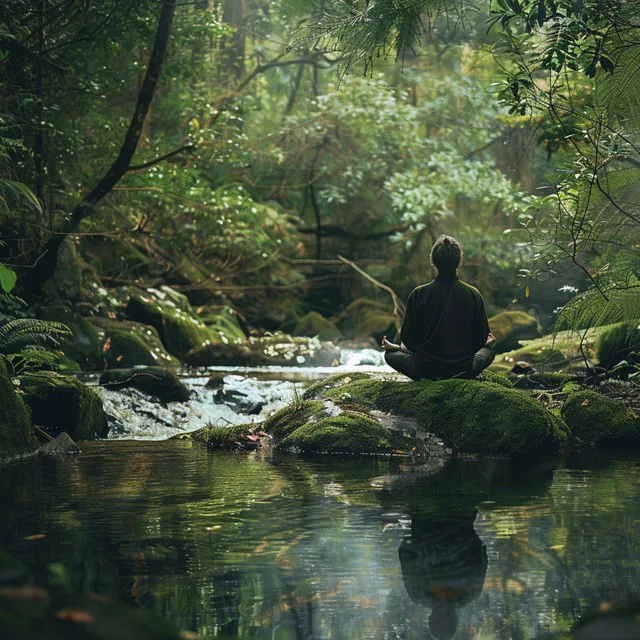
{"x": 166, "y": 156}
{"x": 46, "y": 263}
{"x": 398, "y": 307}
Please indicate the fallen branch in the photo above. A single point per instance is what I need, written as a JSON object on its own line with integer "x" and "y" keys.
{"x": 398, "y": 307}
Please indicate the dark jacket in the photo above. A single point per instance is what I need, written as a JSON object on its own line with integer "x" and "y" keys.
{"x": 445, "y": 323}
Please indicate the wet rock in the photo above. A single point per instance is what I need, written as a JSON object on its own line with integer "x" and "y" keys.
{"x": 509, "y": 327}
{"x": 365, "y": 318}
{"x": 313, "y": 324}
{"x": 155, "y": 381}
{"x": 522, "y": 367}
{"x": 470, "y": 415}
{"x": 619, "y": 343}
{"x": 241, "y": 402}
{"x": 595, "y": 419}
{"x": 16, "y": 432}
{"x": 61, "y": 403}
{"x": 276, "y": 350}
{"x": 128, "y": 344}
{"x": 60, "y": 446}
{"x": 177, "y": 325}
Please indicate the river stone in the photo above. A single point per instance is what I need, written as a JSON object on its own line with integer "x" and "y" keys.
{"x": 276, "y": 350}
{"x": 155, "y": 381}
{"x": 471, "y": 416}
{"x": 509, "y": 327}
{"x": 61, "y": 403}
{"x": 16, "y": 432}
{"x": 603, "y": 422}
{"x": 313, "y": 324}
{"x": 127, "y": 344}
{"x": 60, "y": 446}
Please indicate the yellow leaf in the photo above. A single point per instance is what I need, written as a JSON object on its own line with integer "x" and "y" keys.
{"x": 585, "y": 403}
{"x": 557, "y": 547}
{"x": 36, "y": 536}
{"x": 527, "y": 291}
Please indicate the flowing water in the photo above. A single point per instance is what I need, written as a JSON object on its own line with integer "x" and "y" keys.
{"x": 253, "y": 546}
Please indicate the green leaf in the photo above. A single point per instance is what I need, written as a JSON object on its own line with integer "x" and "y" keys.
{"x": 8, "y": 279}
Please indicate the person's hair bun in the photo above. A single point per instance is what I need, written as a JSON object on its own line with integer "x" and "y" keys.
{"x": 446, "y": 241}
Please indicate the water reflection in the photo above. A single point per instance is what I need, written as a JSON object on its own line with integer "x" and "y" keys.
{"x": 234, "y": 546}
{"x": 444, "y": 564}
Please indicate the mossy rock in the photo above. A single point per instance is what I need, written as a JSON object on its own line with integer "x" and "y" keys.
{"x": 365, "y": 318}
{"x": 313, "y": 324}
{"x": 223, "y": 438}
{"x": 617, "y": 343}
{"x": 16, "y": 432}
{"x": 284, "y": 422}
{"x": 473, "y": 416}
{"x": 226, "y": 326}
{"x": 274, "y": 350}
{"x": 156, "y": 381}
{"x": 61, "y": 403}
{"x": 350, "y": 432}
{"x": 84, "y": 346}
{"x": 129, "y": 344}
{"x": 177, "y": 326}
{"x": 112, "y": 256}
{"x": 38, "y": 607}
{"x": 509, "y": 327}
{"x": 542, "y": 380}
{"x": 603, "y": 422}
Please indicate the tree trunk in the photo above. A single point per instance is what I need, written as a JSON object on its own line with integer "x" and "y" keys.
{"x": 45, "y": 264}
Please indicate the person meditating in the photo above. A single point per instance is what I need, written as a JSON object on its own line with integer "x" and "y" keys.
{"x": 445, "y": 333}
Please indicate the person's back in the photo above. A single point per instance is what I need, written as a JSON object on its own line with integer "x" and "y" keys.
{"x": 445, "y": 332}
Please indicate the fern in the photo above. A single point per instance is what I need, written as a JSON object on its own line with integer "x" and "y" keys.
{"x": 19, "y": 333}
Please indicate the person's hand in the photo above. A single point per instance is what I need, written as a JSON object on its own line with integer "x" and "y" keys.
{"x": 491, "y": 340}
{"x": 389, "y": 346}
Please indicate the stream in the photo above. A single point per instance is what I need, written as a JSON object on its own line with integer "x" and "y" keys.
{"x": 258, "y": 546}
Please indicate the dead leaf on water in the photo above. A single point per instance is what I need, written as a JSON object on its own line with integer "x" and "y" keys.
{"x": 189, "y": 635}
{"x": 75, "y": 615}
{"x": 557, "y": 547}
{"x": 36, "y": 536}
{"x": 215, "y": 527}
{"x": 26, "y": 593}
{"x": 605, "y": 606}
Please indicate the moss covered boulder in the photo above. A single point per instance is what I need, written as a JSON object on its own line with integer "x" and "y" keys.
{"x": 617, "y": 343}
{"x": 179, "y": 329}
{"x": 16, "y": 433}
{"x": 472, "y": 416}
{"x": 595, "y": 419}
{"x": 41, "y": 606}
{"x": 129, "y": 344}
{"x": 365, "y": 318}
{"x": 313, "y": 324}
{"x": 61, "y": 403}
{"x": 272, "y": 350}
{"x": 156, "y": 381}
{"x": 509, "y": 327}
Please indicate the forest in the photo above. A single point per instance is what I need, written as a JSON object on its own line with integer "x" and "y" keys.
{"x": 212, "y": 215}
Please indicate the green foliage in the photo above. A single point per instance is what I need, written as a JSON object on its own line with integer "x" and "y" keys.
{"x": 18, "y": 333}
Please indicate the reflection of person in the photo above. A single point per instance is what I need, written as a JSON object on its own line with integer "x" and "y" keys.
{"x": 444, "y": 563}
{"x": 445, "y": 333}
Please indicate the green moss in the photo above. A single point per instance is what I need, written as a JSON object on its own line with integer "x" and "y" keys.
{"x": 222, "y": 438}
{"x": 509, "y": 327}
{"x": 313, "y": 324}
{"x": 349, "y": 432}
{"x": 617, "y": 343}
{"x": 318, "y": 388}
{"x": 226, "y": 326}
{"x": 156, "y": 381}
{"x": 473, "y": 416}
{"x": 62, "y": 403}
{"x": 16, "y": 433}
{"x": 179, "y": 330}
{"x": 365, "y": 318}
{"x": 287, "y": 420}
{"x": 596, "y": 419}
{"x": 127, "y": 344}
{"x": 496, "y": 378}
{"x": 551, "y": 380}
